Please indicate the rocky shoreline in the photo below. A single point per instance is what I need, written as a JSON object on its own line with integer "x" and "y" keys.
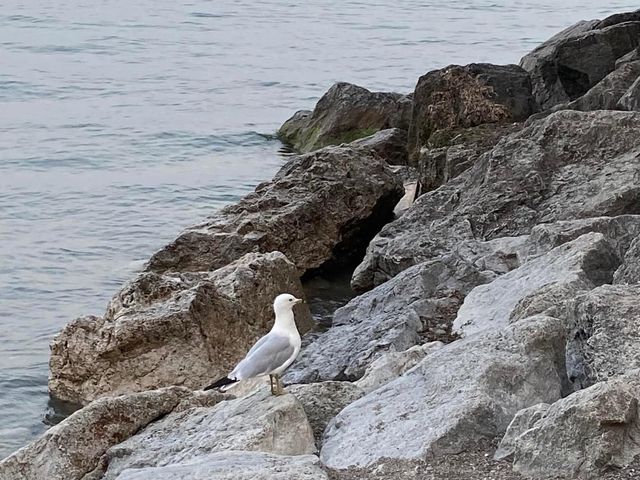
{"x": 496, "y": 330}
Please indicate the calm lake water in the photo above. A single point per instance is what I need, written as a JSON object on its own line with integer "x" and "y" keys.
{"x": 123, "y": 122}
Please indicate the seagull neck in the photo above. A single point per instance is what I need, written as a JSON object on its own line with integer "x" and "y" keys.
{"x": 285, "y": 322}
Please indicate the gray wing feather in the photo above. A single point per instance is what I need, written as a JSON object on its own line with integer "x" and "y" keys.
{"x": 269, "y": 353}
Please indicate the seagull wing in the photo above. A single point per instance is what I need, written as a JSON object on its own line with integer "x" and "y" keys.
{"x": 269, "y": 353}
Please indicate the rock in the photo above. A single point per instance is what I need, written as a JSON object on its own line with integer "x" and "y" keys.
{"x": 343, "y": 114}
{"x": 631, "y": 99}
{"x": 323, "y": 401}
{"x": 524, "y": 420}
{"x": 72, "y": 448}
{"x": 389, "y": 144}
{"x": 632, "y": 56}
{"x": 460, "y": 395}
{"x": 320, "y": 209}
{"x": 570, "y": 165}
{"x": 172, "y": 329}
{"x": 581, "y": 264}
{"x": 390, "y": 366}
{"x": 235, "y": 466}
{"x": 567, "y": 65}
{"x": 580, "y": 436}
{"x": 629, "y": 271}
{"x": 261, "y": 422}
{"x": 607, "y": 92}
{"x": 395, "y": 316}
{"x": 605, "y": 334}
{"x": 466, "y": 96}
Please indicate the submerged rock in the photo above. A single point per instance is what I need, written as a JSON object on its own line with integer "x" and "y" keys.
{"x": 172, "y": 329}
{"x": 321, "y": 208}
{"x": 343, "y": 114}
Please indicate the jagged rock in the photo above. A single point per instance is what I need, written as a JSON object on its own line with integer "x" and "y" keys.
{"x": 172, "y": 329}
{"x": 581, "y": 264}
{"x": 389, "y": 144}
{"x": 261, "y": 422}
{"x": 458, "y": 396}
{"x": 390, "y": 366}
{"x": 235, "y": 466}
{"x": 631, "y": 100}
{"x": 343, "y": 114}
{"x": 632, "y": 56}
{"x": 524, "y": 420}
{"x": 466, "y": 96}
{"x": 323, "y": 401}
{"x": 580, "y": 436}
{"x": 71, "y": 449}
{"x": 570, "y": 165}
{"x": 605, "y": 94}
{"x": 629, "y": 271}
{"x": 321, "y": 208}
{"x": 605, "y": 334}
{"x": 421, "y": 302}
{"x": 567, "y": 65}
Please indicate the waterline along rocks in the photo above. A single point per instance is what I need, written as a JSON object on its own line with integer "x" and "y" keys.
{"x": 495, "y": 334}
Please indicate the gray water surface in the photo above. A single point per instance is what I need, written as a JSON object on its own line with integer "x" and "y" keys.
{"x": 123, "y": 122}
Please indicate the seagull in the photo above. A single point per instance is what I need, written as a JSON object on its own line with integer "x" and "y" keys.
{"x": 273, "y": 353}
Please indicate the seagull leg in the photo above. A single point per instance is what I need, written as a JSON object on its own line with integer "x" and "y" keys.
{"x": 272, "y": 380}
{"x": 279, "y": 389}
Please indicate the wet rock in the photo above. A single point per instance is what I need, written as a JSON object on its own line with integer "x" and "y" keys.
{"x": 323, "y": 401}
{"x": 567, "y": 65}
{"x": 458, "y": 396}
{"x": 261, "y": 422}
{"x": 321, "y": 208}
{"x": 390, "y": 366}
{"x": 235, "y": 466}
{"x": 397, "y": 315}
{"x": 71, "y": 449}
{"x": 581, "y": 436}
{"x": 570, "y": 165}
{"x": 607, "y": 92}
{"x": 343, "y": 114}
{"x": 389, "y": 144}
{"x": 466, "y": 96}
{"x": 605, "y": 334}
{"x": 172, "y": 329}
{"x": 581, "y": 264}
{"x": 631, "y": 99}
{"x": 629, "y": 271}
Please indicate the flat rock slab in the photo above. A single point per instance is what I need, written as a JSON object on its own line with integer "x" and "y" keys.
{"x": 172, "y": 329}
{"x": 459, "y": 395}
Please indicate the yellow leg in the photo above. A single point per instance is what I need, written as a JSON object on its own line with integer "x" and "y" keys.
{"x": 273, "y": 381}
{"x": 279, "y": 389}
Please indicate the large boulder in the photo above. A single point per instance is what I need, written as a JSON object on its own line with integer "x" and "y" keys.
{"x": 260, "y": 422}
{"x": 343, "y": 114}
{"x": 629, "y": 271}
{"x": 172, "y": 329}
{"x": 570, "y": 165}
{"x": 321, "y": 208}
{"x": 605, "y": 334}
{"x": 605, "y": 95}
{"x": 417, "y": 305}
{"x": 466, "y": 96}
{"x": 581, "y": 436}
{"x": 457, "y": 397}
{"x": 72, "y": 449}
{"x": 389, "y": 144}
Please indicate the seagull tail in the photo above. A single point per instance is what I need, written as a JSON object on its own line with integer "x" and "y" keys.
{"x": 220, "y": 383}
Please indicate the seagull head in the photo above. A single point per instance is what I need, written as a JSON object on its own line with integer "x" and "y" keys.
{"x": 285, "y": 302}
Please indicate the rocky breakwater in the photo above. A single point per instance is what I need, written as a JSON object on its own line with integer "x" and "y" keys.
{"x": 496, "y": 334}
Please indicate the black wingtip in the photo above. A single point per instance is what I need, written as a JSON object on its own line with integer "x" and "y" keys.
{"x": 220, "y": 383}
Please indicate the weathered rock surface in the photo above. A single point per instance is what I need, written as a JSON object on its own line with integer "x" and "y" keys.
{"x": 632, "y": 56}
{"x": 320, "y": 208}
{"x": 580, "y": 436}
{"x": 389, "y": 144}
{"x": 71, "y": 449}
{"x": 581, "y": 264}
{"x": 631, "y": 99}
{"x": 390, "y": 366}
{"x": 466, "y": 96}
{"x": 172, "y": 329}
{"x": 418, "y": 305}
{"x": 605, "y": 334}
{"x": 343, "y": 114}
{"x": 567, "y": 65}
{"x": 459, "y": 395}
{"x": 629, "y": 271}
{"x": 605, "y": 94}
{"x": 235, "y": 466}
{"x": 261, "y": 422}
{"x": 570, "y": 165}
{"x": 323, "y": 401}
{"x": 524, "y": 420}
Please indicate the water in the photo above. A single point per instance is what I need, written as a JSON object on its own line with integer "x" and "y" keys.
{"x": 123, "y": 122}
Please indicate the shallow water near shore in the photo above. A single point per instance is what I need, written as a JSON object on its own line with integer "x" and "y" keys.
{"x": 123, "y": 123}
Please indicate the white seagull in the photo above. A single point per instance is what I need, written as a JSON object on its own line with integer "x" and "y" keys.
{"x": 273, "y": 353}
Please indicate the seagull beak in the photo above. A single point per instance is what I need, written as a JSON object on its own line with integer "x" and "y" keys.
{"x": 299, "y": 300}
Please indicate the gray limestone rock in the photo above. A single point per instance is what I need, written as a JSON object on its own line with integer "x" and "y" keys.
{"x": 629, "y": 271}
